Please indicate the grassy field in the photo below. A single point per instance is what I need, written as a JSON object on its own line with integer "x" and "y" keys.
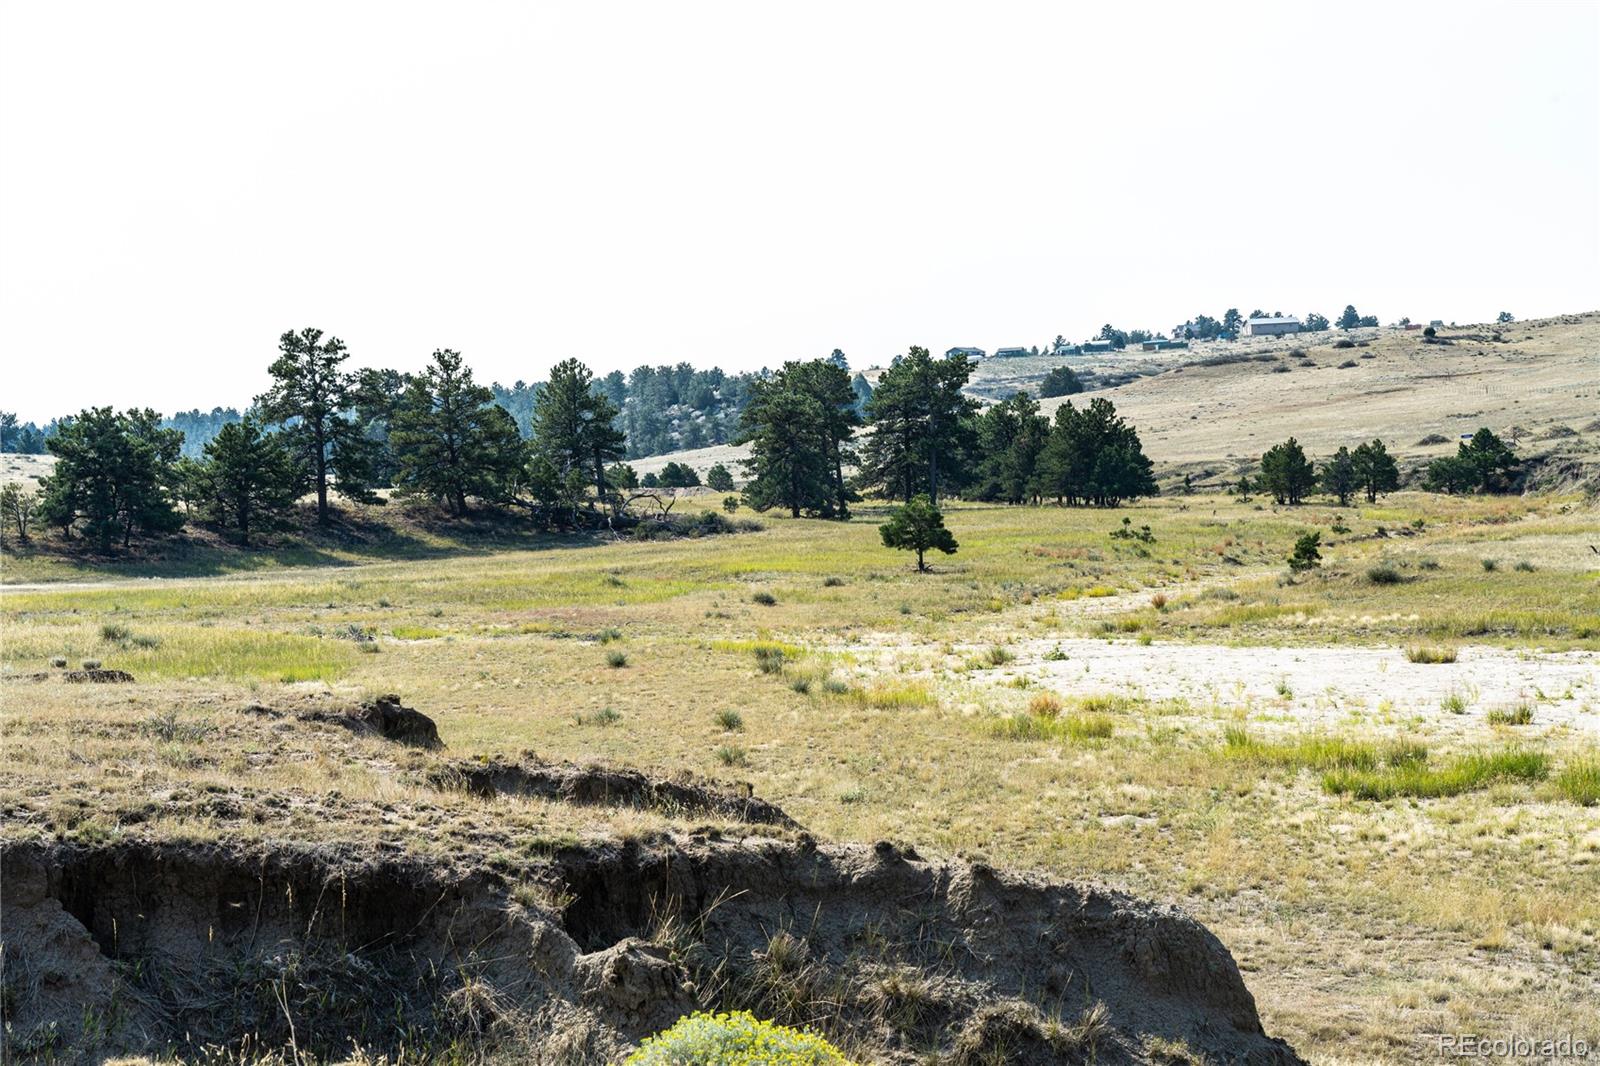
{"x": 1380, "y": 872}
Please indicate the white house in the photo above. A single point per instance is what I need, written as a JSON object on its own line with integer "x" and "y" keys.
{"x": 1273, "y": 327}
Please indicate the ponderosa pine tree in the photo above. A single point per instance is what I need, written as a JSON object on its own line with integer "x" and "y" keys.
{"x": 1338, "y": 476}
{"x": 922, "y": 426}
{"x": 1376, "y": 471}
{"x": 574, "y": 431}
{"x": 114, "y": 473}
{"x": 799, "y": 423}
{"x": 789, "y": 464}
{"x": 313, "y": 398}
{"x": 1286, "y": 473}
{"x": 451, "y": 441}
{"x": 1011, "y": 436}
{"x": 918, "y": 526}
{"x": 1093, "y": 456}
{"x": 248, "y": 480}
{"x": 720, "y": 478}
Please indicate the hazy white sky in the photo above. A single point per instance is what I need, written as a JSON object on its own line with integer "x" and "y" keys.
{"x": 743, "y": 183}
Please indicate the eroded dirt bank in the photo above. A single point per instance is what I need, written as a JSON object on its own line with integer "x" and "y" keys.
{"x": 166, "y": 948}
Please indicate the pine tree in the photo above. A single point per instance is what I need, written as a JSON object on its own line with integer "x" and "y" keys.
{"x": 719, "y": 478}
{"x": 1338, "y": 476}
{"x": 248, "y": 480}
{"x": 312, "y": 397}
{"x": 574, "y": 431}
{"x": 1093, "y": 456}
{"x": 1376, "y": 471}
{"x": 799, "y": 423}
{"x": 451, "y": 440}
{"x": 1011, "y": 436}
{"x": 918, "y": 526}
{"x": 1286, "y": 472}
{"x": 114, "y": 473}
{"x": 922, "y": 426}
{"x": 789, "y": 459}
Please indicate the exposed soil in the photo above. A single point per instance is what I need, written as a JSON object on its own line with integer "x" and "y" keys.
{"x": 609, "y": 786}
{"x": 166, "y": 948}
{"x": 385, "y": 717}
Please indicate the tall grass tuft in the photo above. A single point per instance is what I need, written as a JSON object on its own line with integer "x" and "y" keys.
{"x": 1422, "y": 653}
{"x": 1465, "y": 773}
{"x": 1579, "y": 780}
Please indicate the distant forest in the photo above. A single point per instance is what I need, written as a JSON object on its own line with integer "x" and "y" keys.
{"x": 663, "y": 409}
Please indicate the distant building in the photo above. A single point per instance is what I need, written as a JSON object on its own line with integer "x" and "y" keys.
{"x": 1098, "y": 346}
{"x": 1010, "y": 353}
{"x": 970, "y": 353}
{"x": 1161, "y": 344}
{"x": 1273, "y": 327}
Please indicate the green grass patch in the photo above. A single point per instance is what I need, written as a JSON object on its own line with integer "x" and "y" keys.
{"x": 1579, "y": 780}
{"x": 1465, "y": 773}
{"x": 1026, "y": 726}
{"x": 1320, "y": 752}
{"x": 416, "y": 633}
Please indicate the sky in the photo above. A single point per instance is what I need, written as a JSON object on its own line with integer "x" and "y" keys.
{"x": 738, "y": 184}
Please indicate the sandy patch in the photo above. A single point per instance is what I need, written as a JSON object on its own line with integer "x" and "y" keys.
{"x": 1323, "y": 687}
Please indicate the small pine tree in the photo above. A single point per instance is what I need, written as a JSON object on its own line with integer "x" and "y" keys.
{"x": 719, "y": 478}
{"x": 918, "y": 526}
{"x": 1305, "y": 555}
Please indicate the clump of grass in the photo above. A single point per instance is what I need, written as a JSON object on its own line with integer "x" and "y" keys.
{"x": 610, "y": 635}
{"x": 1063, "y": 727}
{"x": 1521, "y": 714}
{"x": 1454, "y": 702}
{"x": 832, "y": 582}
{"x": 1422, "y": 653}
{"x": 91, "y": 664}
{"x": 833, "y": 686}
{"x": 765, "y": 599}
{"x": 1465, "y": 773}
{"x": 1046, "y": 705}
{"x": 732, "y": 755}
{"x": 415, "y": 633}
{"x": 1384, "y": 574}
{"x": 1055, "y": 655}
{"x": 616, "y": 659}
{"x": 894, "y": 695}
{"x": 1524, "y": 566}
{"x": 1159, "y": 601}
{"x": 1490, "y": 565}
{"x": 1320, "y": 752}
{"x": 999, "y": 656}
{"x": 801, "y": 684}
{"x": 1579, "y": 780}
{"x": 169, "y": 729}
{"x": 604, "y": 716}
{"x": 1427, "y": 564}
{"x": 115, "y": 633}
{"x": 59, "y": 662}
{"x": 1146, "y": 639}
{"x": 769, "y": 659}
{"x": 730, "y": 720}
{"x": 1283, "y": 689}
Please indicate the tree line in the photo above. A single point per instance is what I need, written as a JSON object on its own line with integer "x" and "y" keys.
{"x": 927, "y": 438}
{"x": 1485, "y": 463}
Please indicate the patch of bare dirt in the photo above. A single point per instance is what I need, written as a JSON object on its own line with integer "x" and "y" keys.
{"x": 609, "y": 786}
{"x": 167, "y": 948}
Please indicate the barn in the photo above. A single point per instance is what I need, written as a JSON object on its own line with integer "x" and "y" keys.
{"x": 1273, "y": 327}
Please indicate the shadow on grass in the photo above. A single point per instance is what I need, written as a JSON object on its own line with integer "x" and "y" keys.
{"x": 358, "y": 535}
